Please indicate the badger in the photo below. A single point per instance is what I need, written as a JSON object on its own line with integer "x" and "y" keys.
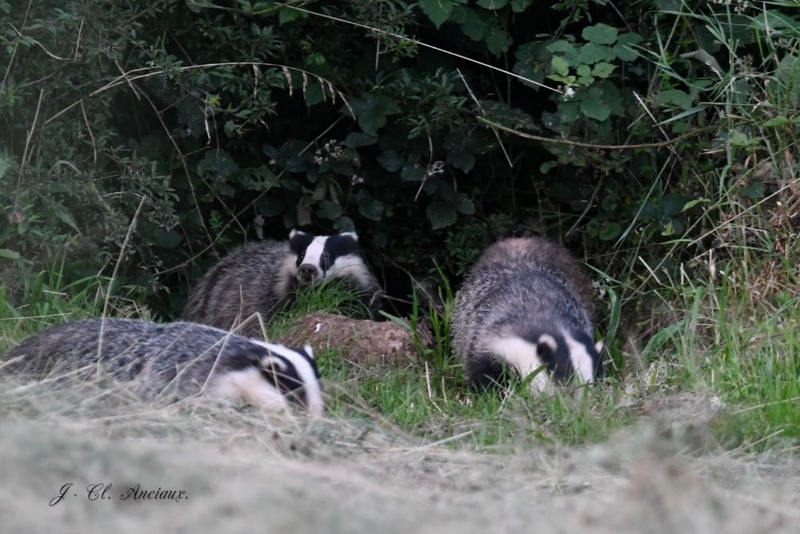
{"x": 262, "y": 277}
{"x": 526, "y": 305}
{"x": 172, "y": 360}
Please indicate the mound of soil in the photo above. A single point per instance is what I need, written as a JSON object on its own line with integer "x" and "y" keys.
{"x": 363, "y": 342}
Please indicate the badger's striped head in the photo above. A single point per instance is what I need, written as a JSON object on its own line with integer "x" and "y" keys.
{"x": 556, "y": 358}
{"x": 294, "y": 373}
{"x": 321, "y": 257}
{"x": 270, "y": 375}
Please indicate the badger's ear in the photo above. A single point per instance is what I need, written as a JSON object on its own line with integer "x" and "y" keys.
{"x": 598, "y": 347}
{"x": 546, "y": 347}
{"x": 299, "y": 241}
{"x": 351, "y": 235}
{"x": 274, "y": 365}
{"x": 309, "y": 351}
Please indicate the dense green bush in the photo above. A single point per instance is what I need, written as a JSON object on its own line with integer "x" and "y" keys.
{"x": 428, "y": 126}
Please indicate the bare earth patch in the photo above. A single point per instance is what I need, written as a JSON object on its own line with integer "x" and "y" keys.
{"x": 241, "y": 470}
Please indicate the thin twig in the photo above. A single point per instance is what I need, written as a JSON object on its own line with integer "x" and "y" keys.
{"x": 124, "y": 76}
{"x": 122, "y": 251}
{"x": 29, "y": 137}
{"x": 441, "y": 442}
{"x": 91, "y": 135}
{"x": 424, "y": 45}
{"x": 586, "y": 209}
{"x": 427, "y": 167}
{"x": 656, "y": 123}
{"x": 46, "y": 51}
{"x": 44, "y": 78}
{"x": 186, "y": 170}
{"x": 78, "y": 41}
{"x": 534, "y": 137}
{"x": 483, "y": 112}
{"x": 149, "y": 72}
{"x": 241, "y": 212}
{"x": 16, "y": 43}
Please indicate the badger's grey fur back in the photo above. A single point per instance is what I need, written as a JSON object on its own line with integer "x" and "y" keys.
{"x": 526, "y": 304}
{"x": 262, "y": 277}
{"x": 175, "y": 359}
{"x": 257, "y": 277}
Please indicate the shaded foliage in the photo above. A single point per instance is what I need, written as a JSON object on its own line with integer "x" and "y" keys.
{"x": 237, "y": 120}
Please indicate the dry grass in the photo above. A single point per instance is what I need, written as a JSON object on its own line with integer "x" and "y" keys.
{"x": 242, "y": 470}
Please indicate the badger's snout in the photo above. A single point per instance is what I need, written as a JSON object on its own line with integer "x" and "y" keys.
{"x": 308, "y": 273}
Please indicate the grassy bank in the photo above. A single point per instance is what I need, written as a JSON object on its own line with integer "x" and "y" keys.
{"x": 714, "y": 361}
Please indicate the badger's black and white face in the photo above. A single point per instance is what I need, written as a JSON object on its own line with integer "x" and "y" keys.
{"x": 294, "y": 373}
{"x": 271, "y": 376}
{"x": 559, "y": 358}
{"x": 321, "y": 257}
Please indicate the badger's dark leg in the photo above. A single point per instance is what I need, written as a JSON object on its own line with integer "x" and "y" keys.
{"x": 374, "y": 303}
{"x": 486, "y": 372}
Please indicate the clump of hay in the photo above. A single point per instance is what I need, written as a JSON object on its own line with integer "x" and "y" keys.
{"x": 240, "y": 467}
